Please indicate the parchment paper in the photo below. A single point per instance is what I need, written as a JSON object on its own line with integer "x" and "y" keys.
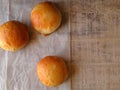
{"x": 18, "y": 69}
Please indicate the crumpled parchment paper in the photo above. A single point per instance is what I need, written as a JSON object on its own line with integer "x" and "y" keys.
{"x": 18, "y": 69}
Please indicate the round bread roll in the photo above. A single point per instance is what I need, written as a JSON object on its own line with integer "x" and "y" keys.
{"x": 52, "y": 71}
{"x": 45, "y": 18}
{"x": 13, "y": 35}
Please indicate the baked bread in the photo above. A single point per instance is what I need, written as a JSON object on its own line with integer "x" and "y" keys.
{"x": 52, "y": 71}
{"x": 45, "y": 18}
{"x": 13, "y": 35}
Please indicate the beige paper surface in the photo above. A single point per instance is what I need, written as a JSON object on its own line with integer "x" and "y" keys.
{"x": 18, "y": 69}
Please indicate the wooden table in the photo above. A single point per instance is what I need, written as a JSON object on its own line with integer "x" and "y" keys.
{"x": 93, "y": 35}
{"x": 95, "y": 44}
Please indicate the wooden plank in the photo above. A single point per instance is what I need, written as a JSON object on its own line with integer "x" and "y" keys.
{"x": 95, "y": 43}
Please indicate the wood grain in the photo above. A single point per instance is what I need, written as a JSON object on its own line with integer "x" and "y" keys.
{"x": 95, "y": 44}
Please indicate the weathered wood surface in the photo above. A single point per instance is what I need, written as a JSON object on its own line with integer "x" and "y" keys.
{"x": 95, "y": 44}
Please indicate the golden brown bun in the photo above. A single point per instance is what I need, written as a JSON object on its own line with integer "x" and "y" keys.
{"x": 52, "y": 71}
{"x": 13, "y": 35}
{"x": 45, "y": 18}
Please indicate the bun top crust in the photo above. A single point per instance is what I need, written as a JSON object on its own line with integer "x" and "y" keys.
{"x": 13, "y": 35}
{"x": 52, "y": 71}
{"x": 45, "y": 18}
